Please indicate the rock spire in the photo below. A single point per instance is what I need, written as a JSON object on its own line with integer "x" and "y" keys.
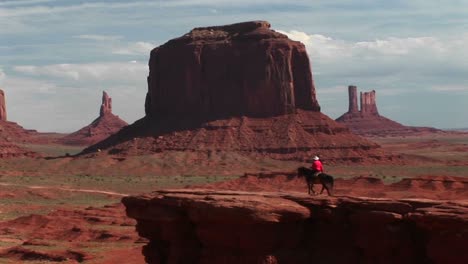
{"x": 106, "y": 106}
{"x": 353, "y": 103}
{"x": 105, "y": 125}
{"x": 3, "y": 112}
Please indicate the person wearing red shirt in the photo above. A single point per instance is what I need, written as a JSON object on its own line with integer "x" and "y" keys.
{"x": 317, "y": 166}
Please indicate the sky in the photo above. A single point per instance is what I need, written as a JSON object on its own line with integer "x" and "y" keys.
{"x": 57, "y": 56}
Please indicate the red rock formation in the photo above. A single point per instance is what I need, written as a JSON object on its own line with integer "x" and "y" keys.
{"x": 3, "y": 113}
{"x": 102, "y": 127}
{"x": 240, "y": 87}
{"x": 367, "y": 121}
{"x": 353, "y": 105}
{"x": 202, "y": 226}
{"x": 243, "y": 69}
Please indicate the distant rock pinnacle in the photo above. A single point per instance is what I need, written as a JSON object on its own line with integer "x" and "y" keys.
{"x": 106, "y": 106}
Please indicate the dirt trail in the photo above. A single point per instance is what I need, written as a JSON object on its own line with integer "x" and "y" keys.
{"x": 65, "y": 189}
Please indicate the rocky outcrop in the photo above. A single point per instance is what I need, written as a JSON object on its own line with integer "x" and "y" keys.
{"x": 3, "y": 112}
{"x": 242, "y": 88}
{"x": 102, "y": 127}
{"x": 368, "y": 122}
{"x": 202, "y": 226}
{"x": 12, "y": 150}
{"x": 243, "y": 69}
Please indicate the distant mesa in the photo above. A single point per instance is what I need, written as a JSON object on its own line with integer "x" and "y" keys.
{"x": 368, "y": 122}
{"x": 242, "y": 87}
{"x": 102, "y": 127}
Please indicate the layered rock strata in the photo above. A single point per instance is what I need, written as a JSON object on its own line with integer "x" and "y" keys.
{"x": 202, "y": 226}
{"x": 102, "y": 127}
{"x": 368, "y": 122}
{"x": 242, "y": 87}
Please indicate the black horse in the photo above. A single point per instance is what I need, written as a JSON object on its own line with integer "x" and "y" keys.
{"x": 323, "y": 178}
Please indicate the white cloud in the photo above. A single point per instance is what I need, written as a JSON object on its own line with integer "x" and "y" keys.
{"x": 115, "y": 71}
{"x": 99, "y": 37}
{"x": 135, "y": 48}
{"x": 324, "y": 47}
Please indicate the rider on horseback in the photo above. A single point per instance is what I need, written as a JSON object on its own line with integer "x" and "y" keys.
{"x": 317, "y": 166}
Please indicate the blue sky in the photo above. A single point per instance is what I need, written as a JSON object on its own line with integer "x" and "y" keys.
{"x": 56, "y": 56}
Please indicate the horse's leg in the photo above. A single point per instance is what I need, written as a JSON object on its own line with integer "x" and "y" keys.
{"x": 323, "y": 187}
{"x": 312, "y": 187}
{"x": 328, "y": 187}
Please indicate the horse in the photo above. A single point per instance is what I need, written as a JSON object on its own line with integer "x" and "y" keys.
{"x": 323, "y": 178}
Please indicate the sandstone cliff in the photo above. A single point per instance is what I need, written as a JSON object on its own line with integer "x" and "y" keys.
{"x": 367, "y": 120}
{"x": 241, "y": 87}
{"x": 102, "y": 127}
{"x": 222, "y": 227}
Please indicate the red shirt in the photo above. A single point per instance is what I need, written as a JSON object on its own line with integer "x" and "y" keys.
{"x": 317, "y": 165}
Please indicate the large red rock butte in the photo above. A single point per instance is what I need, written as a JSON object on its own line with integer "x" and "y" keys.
{"x": 206, "y": 226}
{"x": 368, "y": 122}
{"x": 242, "y": 87}
{"x": 102, "y": 127}
{"x": 243, "y": 69}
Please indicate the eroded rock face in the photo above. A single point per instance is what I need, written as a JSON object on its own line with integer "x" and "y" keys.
{"x": 102, "y": 127}
{"x": 3, "y": 112}
{"x": 202, "y": 226}
{"x": 367, "y": 120}
{"x": 243, "y": 69}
